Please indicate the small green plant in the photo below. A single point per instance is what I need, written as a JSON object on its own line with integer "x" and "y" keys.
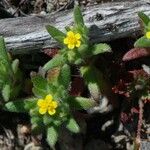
{"x": 144, "y": 41}
{"x": 52, "y": 105}
{"x": 78, "y": 50}
{"x": 10, "y": 74}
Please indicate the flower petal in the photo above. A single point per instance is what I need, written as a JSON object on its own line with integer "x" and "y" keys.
{"x": 66, "y": 41}
{"x": 148, "y": 34}
{"x": 70, "y": 33}
{"x": 78, "y": 36}
{"x": 42, "y": 111}
{"x": 40, "y": 102}
{"x": 51, "y": 111}
{"x": 49, "y": 98}
{"x": 54, "y": 104}
{"x": 78, "y": 43}
{"x": 71, "y": 46}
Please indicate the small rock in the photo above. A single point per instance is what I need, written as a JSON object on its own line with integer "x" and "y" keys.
{"x": 145, "y": 145}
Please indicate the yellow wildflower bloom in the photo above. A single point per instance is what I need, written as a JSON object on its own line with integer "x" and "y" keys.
{"x": 72, "y": 40}
{"x": 148, "y": 35}
{"x": 47, "y": 105}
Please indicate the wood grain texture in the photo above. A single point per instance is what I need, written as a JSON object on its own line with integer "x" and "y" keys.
{"x": 106, "y": 21}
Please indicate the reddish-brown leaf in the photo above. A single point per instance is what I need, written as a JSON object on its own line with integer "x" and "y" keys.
{"x": 136, "y": 53}
{"x": 51, "y": 52}
{"x": 139, "y": 73}
{"x": 121, "y": 88}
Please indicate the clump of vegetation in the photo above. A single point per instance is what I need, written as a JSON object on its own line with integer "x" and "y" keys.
{"x": 53, "y": 102}
{"x": 10, "y": 75}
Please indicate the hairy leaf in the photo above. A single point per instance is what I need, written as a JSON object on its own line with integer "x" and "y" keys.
{"x": 100, "y": 48}
{"x": 136, "y": 53}
{"x": 144, "y": 18}
{"x": 15, "y": 65}
{"x": 73, "y": 126}
{"x": 39, "y": 82}
{"x": 58, "y": 60}
{"x": 47, "y": 120}
{"x": 55, "y": 33}
{"x": 4, "y": 56}
{"x": 6, "y": 92}
{"x": 78, "y": 16}
{"x": 65, "y": 76}
{"x": 81, "y": 102}
{"x": 21, "y": 105}
{"x": 52, "y": 136}
{"x": 39, "y": 92}
{"x": 93, "y": 79}
{"x": 142, "y": 42}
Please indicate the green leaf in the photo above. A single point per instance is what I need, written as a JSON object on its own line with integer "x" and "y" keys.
{"x": 15, "y": 91}
{"x": 144, "y": 18}
{"x": 55, "y": 33}
{"x": 57, "y": 122}
{"x": 61, "y": 91}
{"x": 37, "y": 125}
{"x": 3, "y": 52}
{"x": 100, "y": 48}
{"x": 71, "y": 55}
{"x": 47, "y": 120}
{"x": 3, "y": 70}
{"x": 15, "y": 65}
{"x": 72, "y": 125}
{"x": 78, "y": 18}
{"x": 81, "y": 102}
{"x": 65, "y": 76}
{"x": 4, "y": 56}
{"x": 40, "y": 86}
{"x": 37, "y": 120}
{"x": 93, "y": 79}
{"x": 58, "y": 60}
{"x": 34, "y": 111}
{"x": 6, "y": 92}
{"x": 52, "y": 136}
{"x": 21, "y": 105}
{"x": 84, "y": 31}
{"x": 67, "y": 28}
{"x": 83, "y": 50}
{"x": 39, "y": 92}
{"x": 39, "y": 82}
{"x": 142, "y": 42}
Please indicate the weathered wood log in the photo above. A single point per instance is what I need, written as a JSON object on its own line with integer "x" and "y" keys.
{"x": 107, "y": 22}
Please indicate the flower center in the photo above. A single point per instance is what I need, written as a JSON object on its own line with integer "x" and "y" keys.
{"x": 72, "y": 40}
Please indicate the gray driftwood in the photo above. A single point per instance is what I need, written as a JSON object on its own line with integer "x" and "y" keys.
{"x": 107, "y": 21}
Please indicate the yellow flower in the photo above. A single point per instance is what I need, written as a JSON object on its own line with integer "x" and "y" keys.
{"x": 47, "y": 105}
{"x": 72, "y": 40}
{"x": 148, "y": 35}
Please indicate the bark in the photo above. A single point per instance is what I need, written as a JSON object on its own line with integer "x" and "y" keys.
{"x": 107, "y": 22}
